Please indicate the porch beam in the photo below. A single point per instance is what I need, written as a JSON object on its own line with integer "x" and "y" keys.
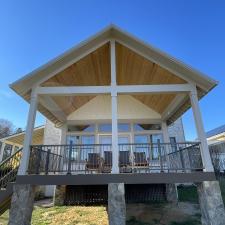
{"x": 123, "y": 89}
{"x": 174, "y": 105}
{"x": 161, "y": 88}
{"x": 206, "y": 159}
{"x": 29, "y": 133}
{"x": 73, "y": 90}
{"x": 50, "y": 104}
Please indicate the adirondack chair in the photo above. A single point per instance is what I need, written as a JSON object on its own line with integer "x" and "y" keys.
{"x": 93, "y": 162}
{"x": 124, "y": 162}
{"x": 140, "y": 159}
{"x": 107, "y": 162}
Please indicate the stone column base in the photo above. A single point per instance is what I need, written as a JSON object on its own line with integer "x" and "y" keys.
{"x": 211, "y": 203}
{"x": 171, "y": 193}
{"x": 116, "y": 204}
{"x": 21, "y": 204}
{"x": 59, "y": 195}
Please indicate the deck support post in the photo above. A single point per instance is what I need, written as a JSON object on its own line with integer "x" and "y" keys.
{"x": 206, "y": 159}
{"x": 21, "y": 204}
{"x": 171, "y": 189}
{"x": 29, "y": 133}
{"x": 116, "y": 204}
{"x": 115, "y": 149}
{"x": 211, "y": 203}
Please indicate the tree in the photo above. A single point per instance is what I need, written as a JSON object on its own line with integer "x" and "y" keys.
{"x": 6, "y": 128}
{"x": 19, "y": 130}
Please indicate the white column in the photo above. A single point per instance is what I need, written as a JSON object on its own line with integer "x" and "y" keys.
{"x": 2, "y": 151}
{"x": 115, "y": 148}
{"x": 29, "y": 133}
{"x": 206, "y": 159}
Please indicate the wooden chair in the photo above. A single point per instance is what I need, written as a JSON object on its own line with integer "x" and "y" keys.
{"x": 107, "y": 162}
{"x": 124, "y": 162}
{"x": 93, "y": 162}
{"x": 140, "y": 159}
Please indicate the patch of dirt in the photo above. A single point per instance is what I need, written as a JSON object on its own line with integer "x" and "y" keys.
{"x": 162, "y": 214}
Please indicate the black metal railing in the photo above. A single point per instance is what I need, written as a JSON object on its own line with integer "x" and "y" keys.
{"x": 160, "y": 157}
{"x": 9, "y": 168}
{"x": 70, "y": 158}
{"x": 133, "y": 158}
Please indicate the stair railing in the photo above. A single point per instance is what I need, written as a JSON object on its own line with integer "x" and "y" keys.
{"x": 9, "y": 168}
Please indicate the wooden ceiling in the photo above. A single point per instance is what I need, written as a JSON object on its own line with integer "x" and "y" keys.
{"x": 134, "y": 69}
{"x": 157, "y": 102}
{"x": 131, "y": 68}
{"x": 94, "y": 69}
{"x": 69, "y": 104}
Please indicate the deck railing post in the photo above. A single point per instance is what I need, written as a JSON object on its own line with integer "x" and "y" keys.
{"x": 160, "y": 155}
{"x": 70, "y": 156}
{"x": 47, "y": 161}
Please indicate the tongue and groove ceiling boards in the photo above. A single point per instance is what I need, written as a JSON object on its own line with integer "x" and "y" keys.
{"x": 93, "y": 69}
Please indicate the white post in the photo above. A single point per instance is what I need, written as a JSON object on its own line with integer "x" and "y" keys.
{"x": 2, "y": 151}
{"x": 206, "y": 159}
{"x": 115, "y": 148}
{"x": 29, "y": 133}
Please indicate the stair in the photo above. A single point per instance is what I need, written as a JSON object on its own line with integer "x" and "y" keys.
{"x": 8, "y": 172}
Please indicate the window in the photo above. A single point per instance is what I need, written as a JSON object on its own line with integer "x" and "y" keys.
{"x": 146, "y": 127}
{"x": 7, "y": 151}
{"x": 88, "y": 146}
{"x": 105, "y": 127}
{"x": 81, "y": 128}
{"x": 123, "y": 127}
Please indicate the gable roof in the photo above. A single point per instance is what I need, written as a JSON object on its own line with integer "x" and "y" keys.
{"x": 23, "y": 86}
{"x": 215, "y": 131}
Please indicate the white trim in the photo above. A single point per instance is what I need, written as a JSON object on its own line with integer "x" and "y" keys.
{"x": 2, "y": 150}
{"x": 162, "y": 88}
{"x": 73, "y": 90}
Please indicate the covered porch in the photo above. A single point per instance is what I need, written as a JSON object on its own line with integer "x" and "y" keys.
{"x": 114, "y": 65}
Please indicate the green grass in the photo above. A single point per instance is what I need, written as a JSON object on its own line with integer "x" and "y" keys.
{"x": 188, "y": 194}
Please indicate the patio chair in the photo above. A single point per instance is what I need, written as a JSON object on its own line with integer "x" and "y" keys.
{"x": 124, "y": 162}
{"x": 107, "y": 162}
{"x": 140, "y": 159}
{"x": 93, "y": 162}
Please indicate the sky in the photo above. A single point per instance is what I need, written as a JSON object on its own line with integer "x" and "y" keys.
{"x": 33, "y": 32}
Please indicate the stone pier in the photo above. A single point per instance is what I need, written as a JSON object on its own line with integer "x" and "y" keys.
{"x": 59, "y": 195}
{"x": 21, "y": 204}
{"x": 116, "y": 204}
{"x": 211, "y": 203}
{"x": 171, "y": 193}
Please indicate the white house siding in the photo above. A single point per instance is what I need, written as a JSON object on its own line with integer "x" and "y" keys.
{"x": 99, "y": 108}
{"x": 176, "y": 129}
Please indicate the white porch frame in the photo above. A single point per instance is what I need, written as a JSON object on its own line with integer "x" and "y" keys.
{"x": 113, "y": 90}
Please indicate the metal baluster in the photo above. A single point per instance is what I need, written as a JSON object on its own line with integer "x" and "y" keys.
{"x": 47, "y": 161}
{"x": 70, "y": 156}
{"x": 160, "y": 155}
{"x": 38, "y": 161}
{"x": 182, "y": 159}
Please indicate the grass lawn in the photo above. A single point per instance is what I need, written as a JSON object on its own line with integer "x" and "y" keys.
{"x": 66, "y": 215}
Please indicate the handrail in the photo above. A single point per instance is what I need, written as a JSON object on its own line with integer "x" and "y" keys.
{"x": 9, "y": 168}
